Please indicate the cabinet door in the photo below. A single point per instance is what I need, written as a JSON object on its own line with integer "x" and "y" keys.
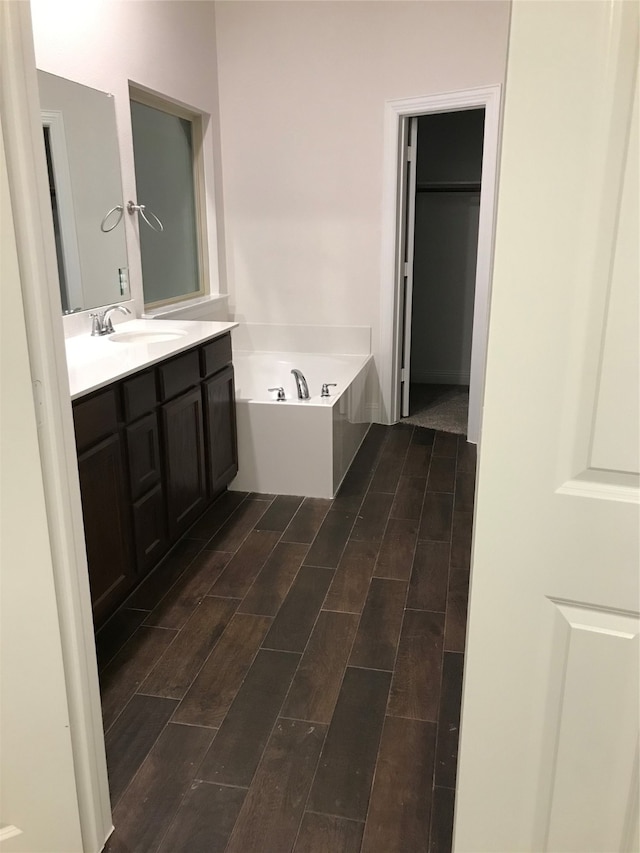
{"x": 220, "y": 420}
{"x": 186, "y": 487}
{"x": 149, "y": 530}
{"x": 106, "y": 525}
{"x": 143, "y": 452}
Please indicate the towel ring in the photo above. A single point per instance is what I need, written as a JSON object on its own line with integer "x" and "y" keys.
{"x": 120, "y": 210}
{"x": 132, "y": 207}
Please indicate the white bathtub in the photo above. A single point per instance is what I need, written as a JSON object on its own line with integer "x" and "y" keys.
{"x": 298, "y": 447}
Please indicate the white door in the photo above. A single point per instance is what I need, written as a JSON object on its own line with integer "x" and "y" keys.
{"x": 408, "y": 228}
{"x": 38, "y": 789}
{"x": 549, "y": 738}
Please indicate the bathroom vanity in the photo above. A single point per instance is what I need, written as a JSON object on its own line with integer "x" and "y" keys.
{"x": 154, "y": 416}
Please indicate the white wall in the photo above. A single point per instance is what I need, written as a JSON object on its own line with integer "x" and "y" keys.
{"x": 168, "y": 47}
{"x": 302, "y": 90}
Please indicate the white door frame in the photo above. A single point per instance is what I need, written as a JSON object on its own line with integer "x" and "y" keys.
{"x": 391, "y": 314}
{"x": 406, "y": 242}
{"x": 31, "y": 207}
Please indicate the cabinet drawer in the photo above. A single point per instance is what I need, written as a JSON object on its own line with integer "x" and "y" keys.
{"x": 216, "y": 355}
{"x": 179, "y": 374}
{"x": 143, "y": 453}
{"x": 95, "y": 418}
{"x": 139, "y": 395}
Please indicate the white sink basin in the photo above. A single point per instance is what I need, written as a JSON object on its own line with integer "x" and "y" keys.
{"x": 144, "y": 336}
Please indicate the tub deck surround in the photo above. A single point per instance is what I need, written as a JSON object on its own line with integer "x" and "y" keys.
{"x": 256, "y": 372}
{"x": 94, "y": 362}
{"x": 298, "y": 447}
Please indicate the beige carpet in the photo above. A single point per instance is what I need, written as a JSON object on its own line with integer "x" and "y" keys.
{"x": 441, "y": 407}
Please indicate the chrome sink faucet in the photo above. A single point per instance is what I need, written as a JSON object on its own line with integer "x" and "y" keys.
{"x": 301, "y": 384}
{"x": 101, "y": 321}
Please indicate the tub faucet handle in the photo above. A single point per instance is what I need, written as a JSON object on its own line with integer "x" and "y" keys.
{"x": 325, "y": 388}
{"x": 280, "y": 391}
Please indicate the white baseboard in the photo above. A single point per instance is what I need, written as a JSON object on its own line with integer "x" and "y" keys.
{"x": 440, "y": 377}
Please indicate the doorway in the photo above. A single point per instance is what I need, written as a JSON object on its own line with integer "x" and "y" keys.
{"x": 396, "y": 194}
{"x": 444, "y": 173}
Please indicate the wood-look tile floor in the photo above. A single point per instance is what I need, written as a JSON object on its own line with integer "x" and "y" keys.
{"x": 289, "y": 679}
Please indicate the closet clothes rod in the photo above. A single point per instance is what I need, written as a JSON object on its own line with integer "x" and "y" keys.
{"x": 452, "y": 187}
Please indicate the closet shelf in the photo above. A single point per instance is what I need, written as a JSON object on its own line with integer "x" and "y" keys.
{"x": 448, "y": 187}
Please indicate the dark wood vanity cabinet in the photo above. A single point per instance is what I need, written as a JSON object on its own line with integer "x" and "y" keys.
{"x": 219, "y": 398}
{"x": 220, "y": 429}
{"x": 154, "y": 450}
{"x": 143, "y": 454}
{"x": 145, "y": 476}
{"x": 104, "y": 499}
{"x": 104, "y": 508}
{"x": 183, "y": 429}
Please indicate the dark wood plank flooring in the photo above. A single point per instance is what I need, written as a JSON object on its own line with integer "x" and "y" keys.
{"x": 289, "y": 679}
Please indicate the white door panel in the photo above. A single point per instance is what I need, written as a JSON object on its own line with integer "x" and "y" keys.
{"x": 616, "y": 445}
{"x": 549, "y": 738}
{"x": 595, "y": 689}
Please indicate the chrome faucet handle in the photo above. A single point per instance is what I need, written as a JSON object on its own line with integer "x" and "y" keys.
{"x": 325, "y": 388}
{"x": 96, "y": 324}
{"x": 280, "y": 391}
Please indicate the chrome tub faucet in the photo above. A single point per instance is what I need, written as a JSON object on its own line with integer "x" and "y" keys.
{"x": 301, "y": 384}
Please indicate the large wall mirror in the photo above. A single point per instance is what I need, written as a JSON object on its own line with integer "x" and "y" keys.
{"x": 79, "y": 126}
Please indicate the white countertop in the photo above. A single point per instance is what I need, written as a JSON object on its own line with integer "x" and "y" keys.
{"x": 94, "y": 362}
